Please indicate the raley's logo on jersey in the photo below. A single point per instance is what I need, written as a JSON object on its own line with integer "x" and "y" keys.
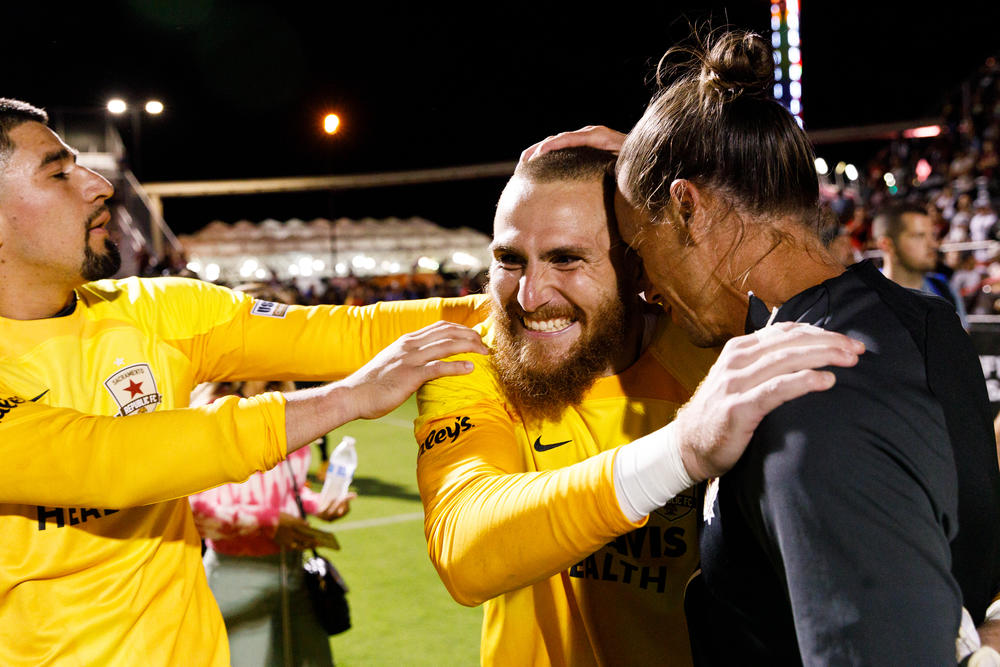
{"x": 447, "y": 433}
{"x": 134, "y": 389}
{"x": 8, "y": 404}
{"x": 269, "y": 309}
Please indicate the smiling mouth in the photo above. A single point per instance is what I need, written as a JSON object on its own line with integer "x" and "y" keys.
{"x": 547, "y": 326}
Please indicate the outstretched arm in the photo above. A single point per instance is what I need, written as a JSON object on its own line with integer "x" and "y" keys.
{"x": 382, "y": 384}
{"x": 60, "y": 457}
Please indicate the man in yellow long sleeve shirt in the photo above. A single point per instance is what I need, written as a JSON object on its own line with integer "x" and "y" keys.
{"x": 100, "y": 563}
{"x": 552, "y": 491}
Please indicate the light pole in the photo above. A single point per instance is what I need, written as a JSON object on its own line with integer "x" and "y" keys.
{"x": 117, "y": 107}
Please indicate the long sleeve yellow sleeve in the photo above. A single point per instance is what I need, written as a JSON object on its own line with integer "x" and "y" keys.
{"x": 112, "y": 462}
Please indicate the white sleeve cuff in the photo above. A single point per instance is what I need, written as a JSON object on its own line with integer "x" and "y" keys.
{"x": 648, "y": 472}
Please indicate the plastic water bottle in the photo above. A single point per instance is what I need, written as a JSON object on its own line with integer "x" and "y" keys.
{"x": 340, "y": 472}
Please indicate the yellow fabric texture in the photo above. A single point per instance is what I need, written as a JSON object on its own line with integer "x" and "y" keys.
{"x": 538, "y": 535}
{"x": 101, "y": 560}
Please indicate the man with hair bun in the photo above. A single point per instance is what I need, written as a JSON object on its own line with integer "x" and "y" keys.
{"x": 859, "y": 520}
{"x": 552, "y": 479}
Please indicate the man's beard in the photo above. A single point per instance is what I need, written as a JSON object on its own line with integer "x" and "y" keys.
{"x": 542, "y": 387}
{"x": 97, "y": 266}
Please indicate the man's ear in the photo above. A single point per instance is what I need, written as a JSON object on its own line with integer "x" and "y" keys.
{"x": 686, "y": 198}
{"x": 886, "y": 245}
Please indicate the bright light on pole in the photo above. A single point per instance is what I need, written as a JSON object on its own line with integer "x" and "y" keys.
{"x": 331, "y": 123}
{"x": 119, "y": 107}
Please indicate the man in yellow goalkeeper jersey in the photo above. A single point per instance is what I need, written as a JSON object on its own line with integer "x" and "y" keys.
{"x": 557, "y": 489}
{"x": 100, "y": 563}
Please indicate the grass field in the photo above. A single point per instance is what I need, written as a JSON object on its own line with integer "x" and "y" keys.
{"x": 401, "y": 613}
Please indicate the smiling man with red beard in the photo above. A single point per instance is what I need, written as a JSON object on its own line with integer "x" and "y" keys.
{"x": 552, "y": 491}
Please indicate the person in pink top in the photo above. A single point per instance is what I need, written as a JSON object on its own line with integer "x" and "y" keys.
{"x": 255, "y": 538}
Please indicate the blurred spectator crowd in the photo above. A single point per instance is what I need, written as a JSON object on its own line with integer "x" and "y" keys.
{"x": 348, "y": 290}
{"x": 954, "y": 175}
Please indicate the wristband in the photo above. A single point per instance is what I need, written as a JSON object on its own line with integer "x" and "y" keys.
{"x": 648, "y": 472}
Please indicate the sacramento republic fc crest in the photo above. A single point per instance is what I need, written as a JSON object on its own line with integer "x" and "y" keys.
{"x": 678, "y": 507}
{"x": 133, "y": 389}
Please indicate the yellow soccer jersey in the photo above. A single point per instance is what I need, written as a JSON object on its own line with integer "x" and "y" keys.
{"x": 524, "y": 517}
{"x": 101, "y": 561}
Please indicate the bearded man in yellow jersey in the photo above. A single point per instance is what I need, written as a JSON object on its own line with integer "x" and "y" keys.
{"x": 556, "y": 489}
{"x": 100, "y": 563}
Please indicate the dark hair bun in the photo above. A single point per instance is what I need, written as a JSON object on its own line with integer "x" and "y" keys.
{"x": 738, "y": 63}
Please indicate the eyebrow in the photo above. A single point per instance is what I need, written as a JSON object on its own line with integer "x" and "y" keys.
{"x": 57, "y": 155}
{"x": 580, "y": 251}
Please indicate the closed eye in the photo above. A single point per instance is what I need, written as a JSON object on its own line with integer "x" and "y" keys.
{"x": 566, "y": 261}
{"x": 509, "y": 261}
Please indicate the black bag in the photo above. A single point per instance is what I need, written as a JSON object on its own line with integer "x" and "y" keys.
{"x": 327, "y": 590}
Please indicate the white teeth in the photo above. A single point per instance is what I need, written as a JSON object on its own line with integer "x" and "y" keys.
{"x": 547, "y": 325}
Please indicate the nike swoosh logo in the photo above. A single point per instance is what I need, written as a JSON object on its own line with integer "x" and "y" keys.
{"x": 35, "y": 399}
{"x": 539, "y": 447}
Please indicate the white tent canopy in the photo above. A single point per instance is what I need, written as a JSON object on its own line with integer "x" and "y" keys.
{"x": 320, "y": 248}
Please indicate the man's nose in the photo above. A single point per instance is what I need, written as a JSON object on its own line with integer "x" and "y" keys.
{"x": 96, "y": 186}
{"x": 534, "y": 288}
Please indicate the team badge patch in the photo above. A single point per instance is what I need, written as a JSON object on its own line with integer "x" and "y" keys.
{"x": 134, "y": 389}
{"x": 678, "y": 507}
{"x": 269, "y": 309}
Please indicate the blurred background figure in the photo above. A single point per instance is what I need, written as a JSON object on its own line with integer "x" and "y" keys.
{"x": 254, "y": 542}
{"x": 905, "y": 234}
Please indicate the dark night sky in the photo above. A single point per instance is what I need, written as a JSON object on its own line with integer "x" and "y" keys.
{"x": 431, "y": 85}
